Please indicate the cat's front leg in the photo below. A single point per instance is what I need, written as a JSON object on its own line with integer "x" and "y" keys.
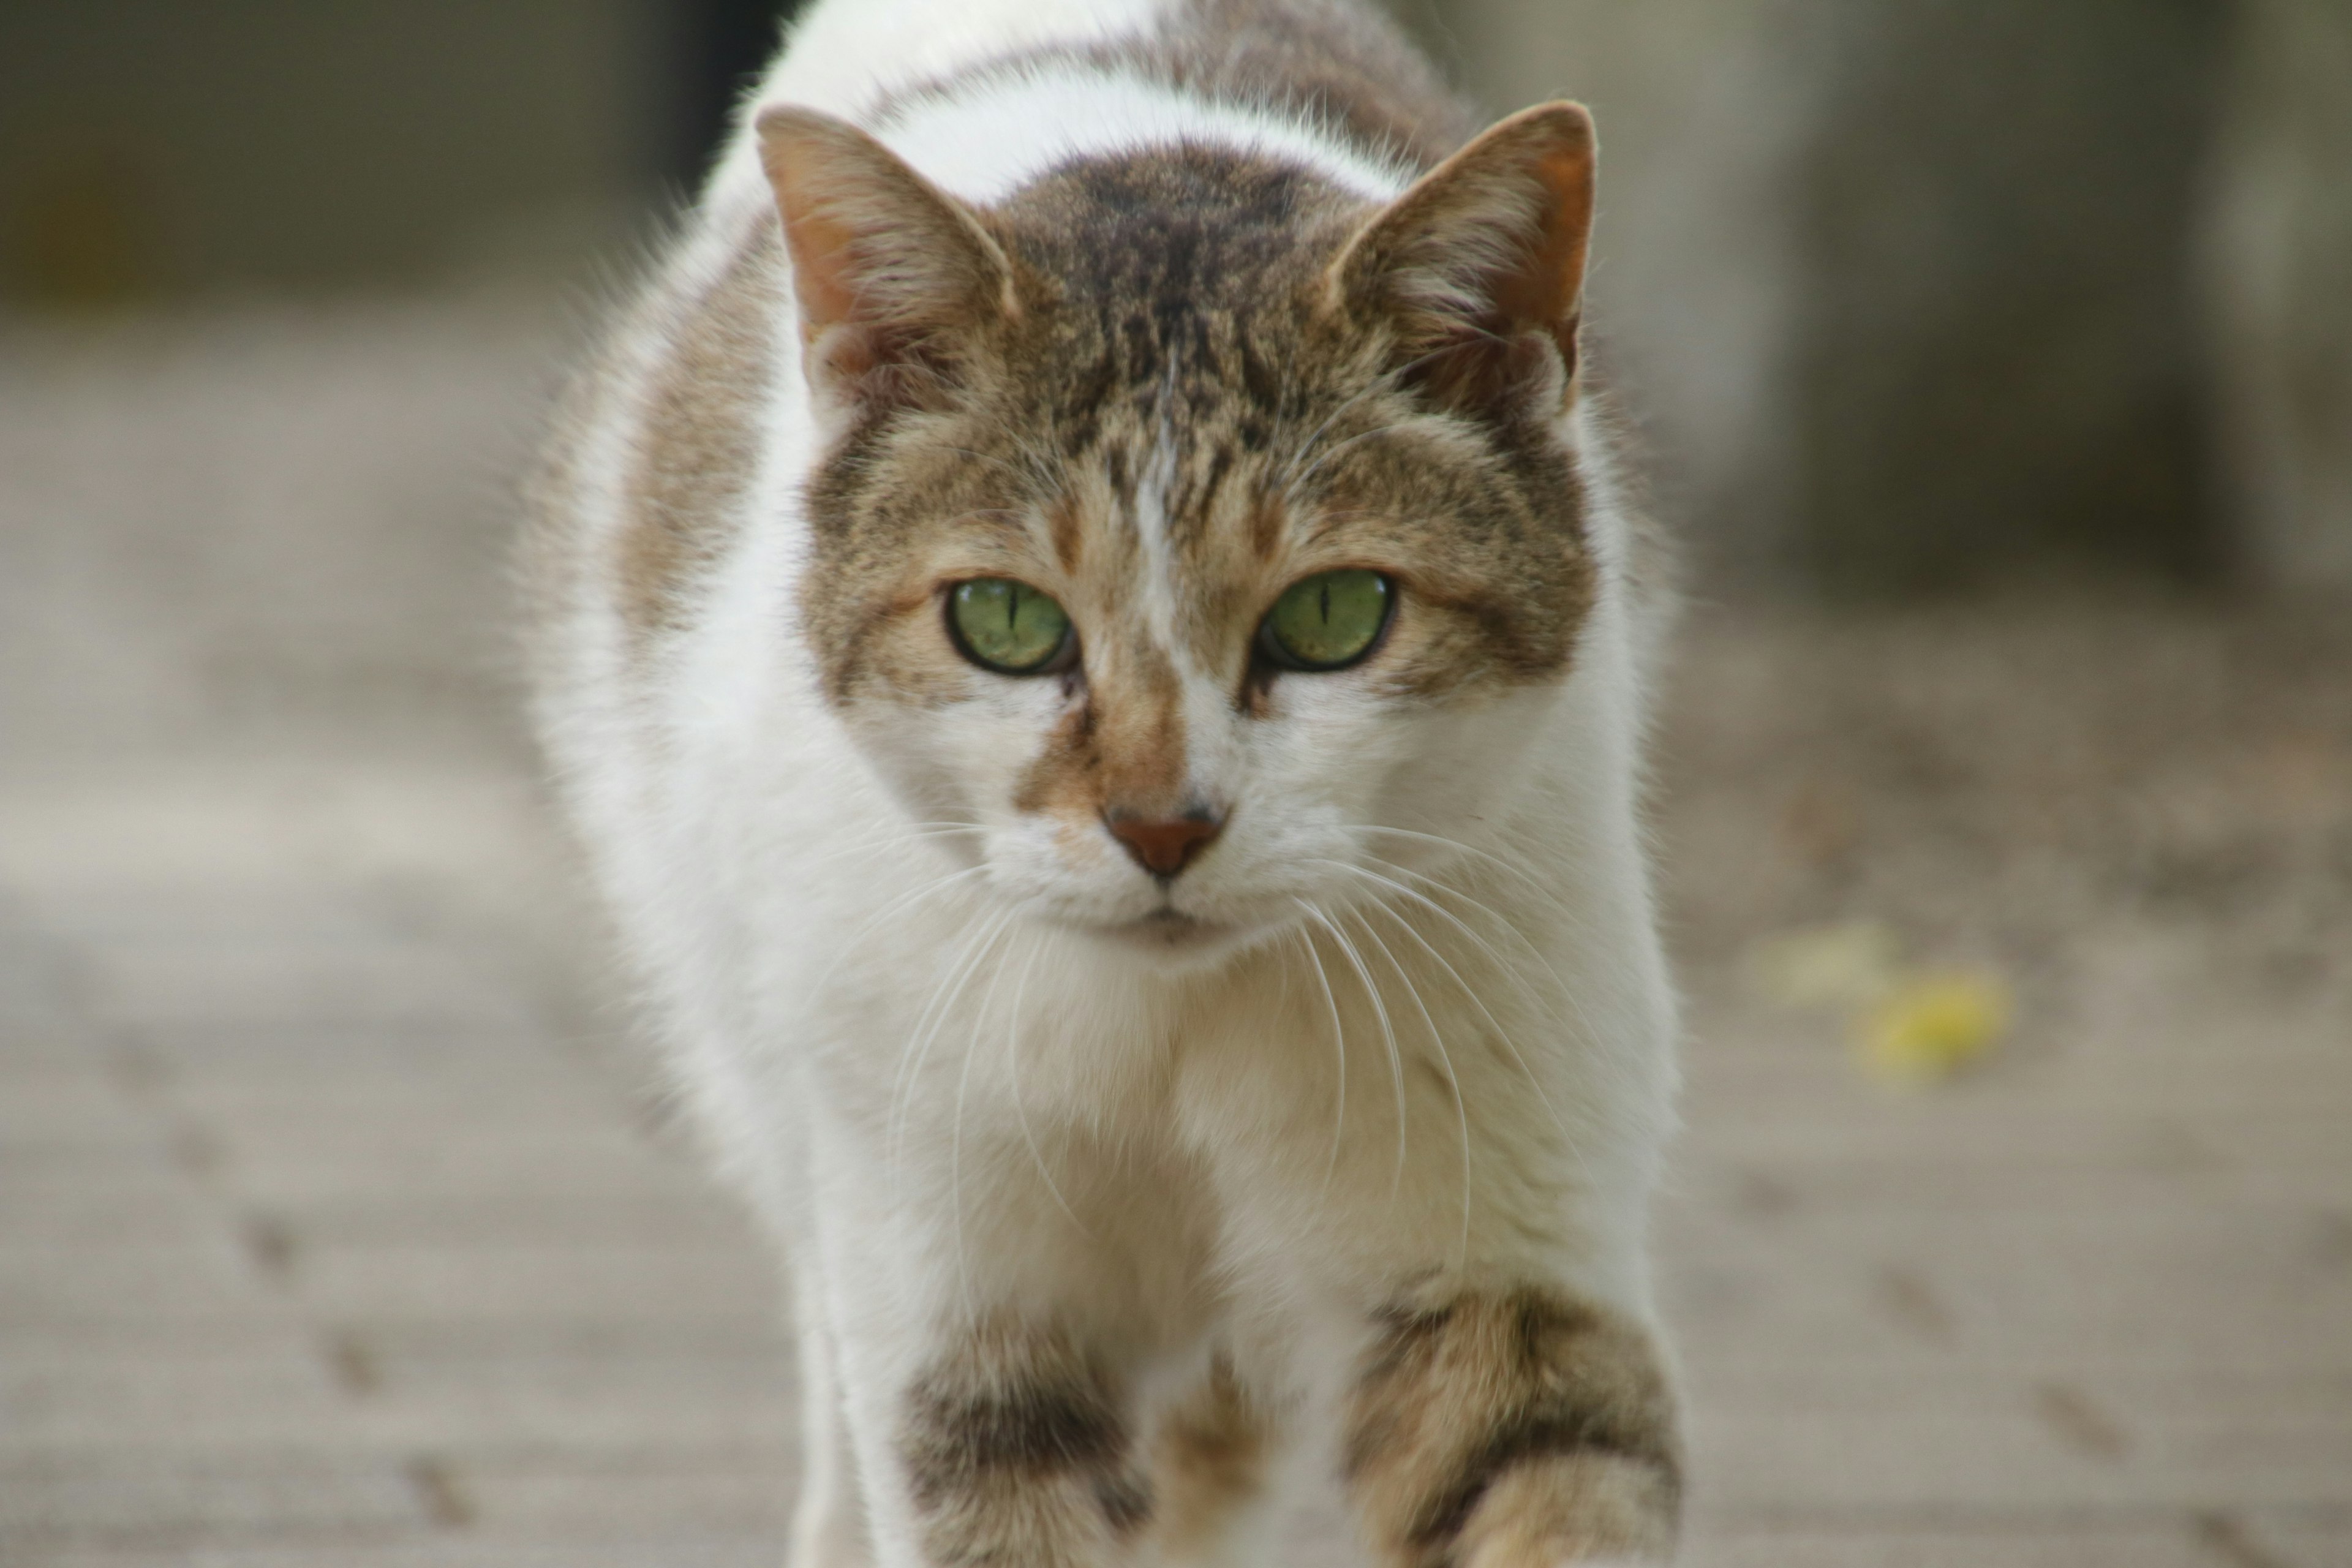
{"x": 1513, "y": 1428}
{"x": 1015, "y": 1448}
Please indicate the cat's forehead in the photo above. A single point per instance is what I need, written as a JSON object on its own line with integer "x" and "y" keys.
{"x": 1193, "y": 222}
{"x": 1183, "y": 282}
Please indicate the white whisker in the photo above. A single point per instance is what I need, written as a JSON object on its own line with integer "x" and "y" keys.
{"x": 876, "y": 846}
{"x": 903, "y": 902}
{"x": 1339, "y": 1050}
{"x": 1532, "y": 883}
{"x": 1388, "y": 1032}
{"x": 1020, "y": 1105}
{"x": 1470, "y": 992}
{"x": 1566, "y": 992}
{"x": 927, "y": 1028}
{"x": 955, "y": 1134}
{"x": 1452, "y": 1078}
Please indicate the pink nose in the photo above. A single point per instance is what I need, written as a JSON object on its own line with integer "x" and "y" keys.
{"x": 1165, "y": 847}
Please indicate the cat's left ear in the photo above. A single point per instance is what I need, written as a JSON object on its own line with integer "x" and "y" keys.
{"x": 893, "y": 276}
{"x": 1478, "y": 269}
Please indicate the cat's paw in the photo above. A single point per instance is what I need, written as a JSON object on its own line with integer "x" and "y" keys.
{"x": 1573, "y": 1510}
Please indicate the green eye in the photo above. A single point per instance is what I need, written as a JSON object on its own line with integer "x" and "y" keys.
{"x": 1007, "y": 626}
{"x": 1328, "y": 621}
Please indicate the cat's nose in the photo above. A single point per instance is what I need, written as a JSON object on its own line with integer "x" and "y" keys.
{"x": 1164, "y": 846}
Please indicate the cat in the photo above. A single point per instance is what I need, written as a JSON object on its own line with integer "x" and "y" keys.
{"x": 1093, "y": 629}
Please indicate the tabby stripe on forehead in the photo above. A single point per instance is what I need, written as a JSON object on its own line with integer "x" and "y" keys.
{"x": 1269, "y": 519}
{"x": 1196, "y": 502}
{"x": 1068, "y": 525}
{"x": 698, "y": 447}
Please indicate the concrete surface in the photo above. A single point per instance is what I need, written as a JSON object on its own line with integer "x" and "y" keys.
{"x": 340, "y": 1223}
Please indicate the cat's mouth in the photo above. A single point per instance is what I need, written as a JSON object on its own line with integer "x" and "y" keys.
{"x": 1169, "y": 929}
{"x": 1170, "y": 919}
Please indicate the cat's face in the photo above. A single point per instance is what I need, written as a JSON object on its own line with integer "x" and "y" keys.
{"x": 1195, "y": 564}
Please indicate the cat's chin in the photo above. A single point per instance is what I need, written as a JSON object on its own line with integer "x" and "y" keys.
{"x": 1173, "y": 938}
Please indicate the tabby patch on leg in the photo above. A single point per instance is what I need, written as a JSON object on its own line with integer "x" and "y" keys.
{"x": 1017, "y": 1450}
{"x": 1521, "y": 1429}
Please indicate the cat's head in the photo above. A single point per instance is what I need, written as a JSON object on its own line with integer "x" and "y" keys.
{"x": 1202, "y": 536}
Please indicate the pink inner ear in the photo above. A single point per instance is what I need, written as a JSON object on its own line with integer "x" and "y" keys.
{"x": 824, "y": 248}
{"x": 1486, "y": 249}
{"x": 1545, "y": 291}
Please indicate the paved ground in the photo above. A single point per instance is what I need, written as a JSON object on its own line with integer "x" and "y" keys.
{"x": 337, "y": 1226}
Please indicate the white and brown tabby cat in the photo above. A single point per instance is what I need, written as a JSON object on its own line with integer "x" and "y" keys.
{"x": 1091, "y": 628}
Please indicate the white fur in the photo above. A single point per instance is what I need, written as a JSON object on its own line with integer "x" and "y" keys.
{"x": 940, "y": 1099}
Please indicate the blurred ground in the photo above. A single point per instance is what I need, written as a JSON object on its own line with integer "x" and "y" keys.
{"x": 338, "y": 1226}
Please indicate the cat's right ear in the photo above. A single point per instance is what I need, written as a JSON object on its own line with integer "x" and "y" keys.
{"x": 893, "y": 276}
{"x": 1477, "y": 271}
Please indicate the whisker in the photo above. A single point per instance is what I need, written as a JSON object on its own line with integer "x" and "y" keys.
{"x": 1533, "y": 883}
{"x": 1388, "y": 1032}
{"x": 1339, "y": 1049}
{"x": 1469, "y": 989}
{"x": 1020, "y": 1105}
{"x": 928, "y": 1028}
{"x": 1560, "y": 1123}
{"x": 904, "y": 900}
{"x": 1452, "y": 1078}
{"x": 955, "y": 1135}
{"x": 1567, "y": 993}
{"x": 902, "y": 1080}
{"x": 876, "y": 846}
{"x": 1492, "y": 913}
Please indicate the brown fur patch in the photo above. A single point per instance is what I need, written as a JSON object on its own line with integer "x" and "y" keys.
{"x": 1017, "y": 1451}
{"x": 1123, "y": 750}
{"x": 697, "y": 443}
{"x": 1513, "y": 1428}
{"x": 1208, "y": 1458}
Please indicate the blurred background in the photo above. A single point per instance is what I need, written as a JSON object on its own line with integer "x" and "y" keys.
{"x": 1995, "y": 359}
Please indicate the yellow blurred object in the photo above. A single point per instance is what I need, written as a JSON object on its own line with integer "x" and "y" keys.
{"x": 1847, "y": 966}
{"x": 1911, "y": 1027}
{"x": 1931, "y": 1025}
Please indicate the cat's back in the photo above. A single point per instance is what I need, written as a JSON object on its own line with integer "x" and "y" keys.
{"x": 670, "y": 432}
{"x": 1339, "y": 64}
